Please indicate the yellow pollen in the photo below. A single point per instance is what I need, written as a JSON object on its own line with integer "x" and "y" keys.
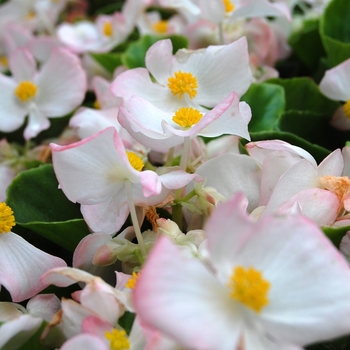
{"x": 30, "y": 15}
{"x": 131, "y": 283}
{"x": 187, "y": 116}
{"x": 229, "y": 7}
{"x": 248, "y": 286}
{"x": 96, "y": 105}
{"x": 182, "y": 83}
{"x": 339, "y": 185}
{"x": 7, "y": 220}
{"x": 118, "y": 340}
{"x": 135, "y": 160}
{"x": 107, "y": 29}
{"x": 4, "y": 61}
{"x": 346, "y": 108}
{"x": 25, "y": 91}
{"x": 160, "y": 27}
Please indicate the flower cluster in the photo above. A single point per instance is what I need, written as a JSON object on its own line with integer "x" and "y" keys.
{"x": 174, "y": 174}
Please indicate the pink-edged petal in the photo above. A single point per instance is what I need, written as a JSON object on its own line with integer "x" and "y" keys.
{"x": 336, "y": 82}
{"x": 178, "y": 179}
{"x": 23, "y": 265}
{"x": 12, "y": 111}
{"x": 15, "y": 333}
{"x": 333, "y": 164}
{"x": 159, "y": 60}
{"x": 61, "y": 84}
{"x": 84, "y": 254}
{"x": 151, "y": 184}
{"x": 86, "y": 342}
{"x": 22, "y": 65}
{"x": 234, "y": 121}
{"x": 261, "y": 149}
{"x": 339, "y": 120}
{"x": 320, "y": 206}
{"x": 301, "y": 314}
{"x": 98, "y": 297}
{"x": 179, "y": 296}
{"x": 300, "y": 176}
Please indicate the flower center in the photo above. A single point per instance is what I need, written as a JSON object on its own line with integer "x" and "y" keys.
{"x": 96, "y": 105}
{"x": 131, "y": 283}
{"x": 4, "y": 61}
{"x": 187, "y": 116}
{"x": 346, "y": 108}
{"x": 248, "y": 286}
{"x": 25, "y": 91}
{"x": 118, "y": 340}
{"x": 229, "y": 7}
{"x": 107, "y": 29}
{"x": 182, "y": 83}
{"x": 7, "y": 220}
{"x": 135, "y": 161}
{"x": 339, "y": 185}
{"x": 160, "y": 27}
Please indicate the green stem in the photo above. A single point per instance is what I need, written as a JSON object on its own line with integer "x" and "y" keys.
{"x": 134, "y": 220}
{"x": 169, "y": 158}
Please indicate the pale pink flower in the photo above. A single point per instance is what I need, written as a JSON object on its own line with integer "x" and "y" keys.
{"x": 242, "y": 295}
{"x": 54, "y": 91}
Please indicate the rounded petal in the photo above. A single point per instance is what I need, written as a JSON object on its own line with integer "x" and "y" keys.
{"x": 22, "y": 266}
{"x": 179, "y": 296}
{"x": 61, "y": 84}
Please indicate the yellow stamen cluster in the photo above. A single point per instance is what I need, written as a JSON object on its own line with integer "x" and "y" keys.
{"x": 160, "y": 27}
{"x": 96, "y": 105}
{"x": 25, "y": 91}
{"x": 4, "y": 61}
{"x": 182, "y": 83}
{"x": 131, "y": 283}
{"x": 248, "y": 286}
{"x": 346, "y": 108}
{"x": 339, "y": 185}
{"x": 118, "y": 340}
{"x": 229, "y": 7}
{"x": 135, "y": 161}
{"x": 30, "y": 15}
{"x": 108, "y": 29}
{"x": 187, "y": 116}
{"x": 7, "y": 220}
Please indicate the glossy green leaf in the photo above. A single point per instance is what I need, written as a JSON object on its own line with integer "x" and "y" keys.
{"x": 335, "y": 31}
{"x": 136, "y": 52}
{"x": 335, "y": 234}
{"x": 126, "y": 321}
{"x": 303, "y": 94}
{"x": 110, "y": 61}
{"x": 313, "y": 127}
{"x": 40, "y": 206}
{"x": 301, "y": 41}
{"x": 267, "y": 102}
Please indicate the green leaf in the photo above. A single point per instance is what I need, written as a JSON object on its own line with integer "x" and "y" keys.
{"x": 110, "y": 61}
{"x": 40, "y": 206}
{"x": 135, "y": 54}
{"x": 335, "y": 234}
{"x": 266, "y": 101}
{"x": 126, "y": 321}
{"x": 303, "y": 94}
{"x": 301, "y": 41}
{"x": 335, "y": 31}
